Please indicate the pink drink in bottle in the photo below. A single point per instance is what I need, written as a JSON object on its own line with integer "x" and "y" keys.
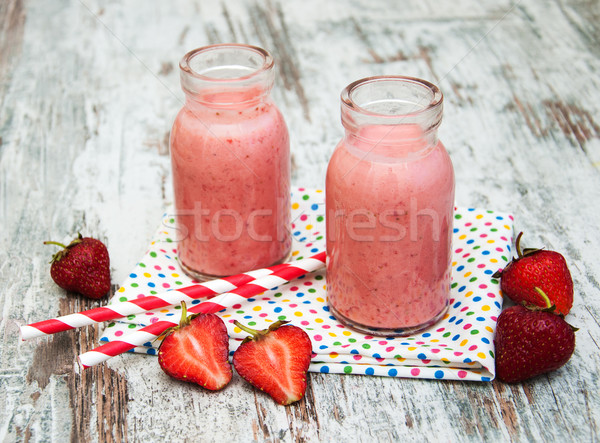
{"x": 231, "y": 164}
{"x": 389, "y": 200}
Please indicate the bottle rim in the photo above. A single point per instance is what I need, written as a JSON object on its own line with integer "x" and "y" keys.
{"x": 267, "y": 58}
{"x": 434, "y": 104}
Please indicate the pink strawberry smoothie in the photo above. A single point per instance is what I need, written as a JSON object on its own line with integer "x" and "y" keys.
{"x": 390, "y": 198}
{"x": 231, "y": 175}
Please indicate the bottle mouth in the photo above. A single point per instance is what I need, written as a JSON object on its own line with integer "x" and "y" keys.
{"x": 228, "y": 62}
{"x": 227, "y": 75}
{"x": 392, "y": 99}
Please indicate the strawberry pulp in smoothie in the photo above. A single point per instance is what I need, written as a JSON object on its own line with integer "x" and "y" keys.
{"x": 231, "y": 171}
{"x": 389, "y": 200}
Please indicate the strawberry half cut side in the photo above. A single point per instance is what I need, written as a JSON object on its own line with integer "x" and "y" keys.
{"x": 197, "y": 351}
{"x": 275, "y": 360}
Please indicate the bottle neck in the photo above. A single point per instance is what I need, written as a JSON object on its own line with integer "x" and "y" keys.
{"x": 391, "y": 115}
{"x": 228, "y": 76}
{"x": 227, "y": 99}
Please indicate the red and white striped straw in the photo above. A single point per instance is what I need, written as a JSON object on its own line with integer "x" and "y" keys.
{"x": 228, "y": 299}
{"x": 137, "y": 306}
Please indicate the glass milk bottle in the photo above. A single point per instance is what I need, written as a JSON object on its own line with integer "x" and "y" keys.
{"x": 230, "y": 158}
{"x": 389, "y": 206}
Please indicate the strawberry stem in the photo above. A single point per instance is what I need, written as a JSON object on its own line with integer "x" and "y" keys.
{"x": 257, "y": 334}
{"x": 252, "y": 332}
{"x": 55, "y": 243}
{"x": 65, "y": 249}
{"x": 184, "y": 319}
{"x": 277, "y": 324}
{"x": 544, "y": 296}
{"x": 518, "y": 244}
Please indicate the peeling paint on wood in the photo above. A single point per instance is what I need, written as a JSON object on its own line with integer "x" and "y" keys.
{"x": 577, "y": 124}
{"x": 88, "y": 92}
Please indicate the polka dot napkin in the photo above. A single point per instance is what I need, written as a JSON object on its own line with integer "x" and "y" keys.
{"x": 459, "y": 347}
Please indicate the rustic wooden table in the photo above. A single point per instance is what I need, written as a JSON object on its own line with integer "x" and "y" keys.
{"x": 88, "y": 91}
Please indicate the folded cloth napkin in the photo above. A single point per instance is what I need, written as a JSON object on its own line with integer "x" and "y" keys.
{"x": 459, "y": 347}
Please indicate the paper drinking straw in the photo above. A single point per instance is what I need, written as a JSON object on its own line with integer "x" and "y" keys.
{"x": 137, "y": 306}
{"x": 238, "y": 295}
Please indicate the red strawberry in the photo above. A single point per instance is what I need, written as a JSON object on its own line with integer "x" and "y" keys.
{"x": 530, "y": 343}
{"x": 533, "y": 268}
{"x": 83, "y": 266}
{"x": 197, "y": 351}
{"x": 275, "y": 360}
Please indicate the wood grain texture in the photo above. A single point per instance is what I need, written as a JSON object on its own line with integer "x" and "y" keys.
{"x": 88, "y": 91}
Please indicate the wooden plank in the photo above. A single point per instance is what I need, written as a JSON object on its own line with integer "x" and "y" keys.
{"x": 88, "y": 92}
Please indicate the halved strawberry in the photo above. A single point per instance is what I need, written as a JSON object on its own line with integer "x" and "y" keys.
{"x": 275, "y": 360}
{"x": 197, "y": 351}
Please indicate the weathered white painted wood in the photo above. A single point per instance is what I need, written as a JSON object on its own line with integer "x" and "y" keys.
{"x": 88, "y": 90}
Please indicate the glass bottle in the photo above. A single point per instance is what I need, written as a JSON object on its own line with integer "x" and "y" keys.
{"x": 389, "y": 203}
{"x": 230, "y": 159}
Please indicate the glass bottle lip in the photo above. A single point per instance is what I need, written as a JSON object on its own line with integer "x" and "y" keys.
{"x": 427, "y": 110}
{"x": 267, "y": 62}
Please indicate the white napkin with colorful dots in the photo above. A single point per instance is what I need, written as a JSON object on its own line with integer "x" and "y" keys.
{"x": 459, "y": 347}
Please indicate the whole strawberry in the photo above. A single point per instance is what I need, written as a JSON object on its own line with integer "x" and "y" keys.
{"x": 197, "y": 351}
{"x": 82, "y": 266}
{"x": 275, "y": 360}
{"x": 537, "y": 268}
{"x": 531, "y": 342}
